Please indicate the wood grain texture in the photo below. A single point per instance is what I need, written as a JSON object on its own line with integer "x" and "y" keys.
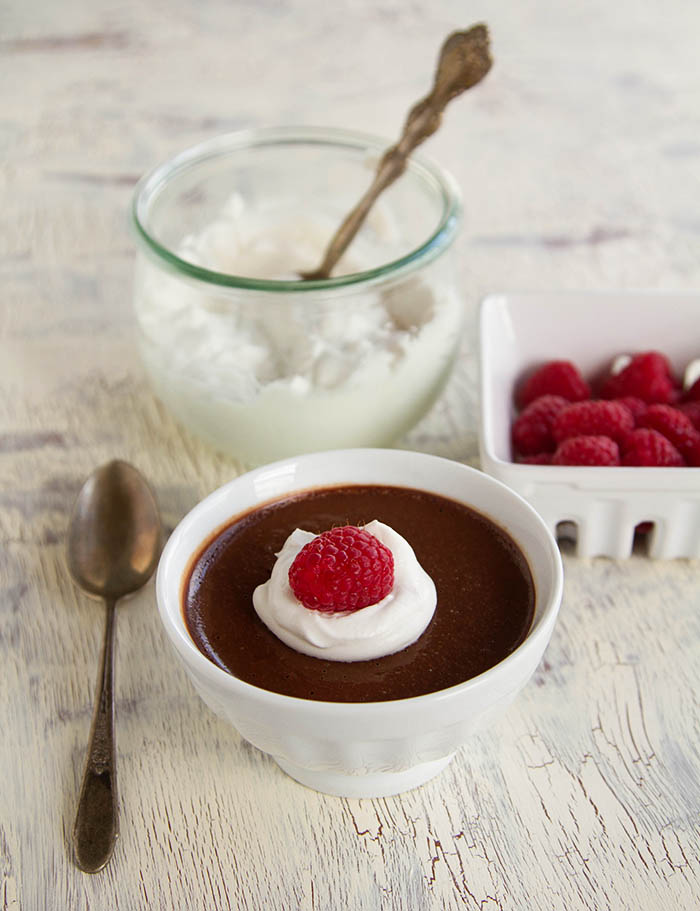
{"x": 578, "y": 159}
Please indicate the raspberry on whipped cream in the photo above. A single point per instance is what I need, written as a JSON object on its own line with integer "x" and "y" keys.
{"x": 343, "y": 569}
{"x": 389, "y": 625}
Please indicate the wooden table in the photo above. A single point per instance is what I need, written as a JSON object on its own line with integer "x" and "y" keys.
{"x": 579, "y": 160}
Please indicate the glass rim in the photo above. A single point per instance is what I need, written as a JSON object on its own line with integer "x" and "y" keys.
{"x": 149, "y": 186}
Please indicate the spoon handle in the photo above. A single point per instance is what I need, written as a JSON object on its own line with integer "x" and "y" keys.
{"x": 96, "y": 826}
{"x": 463, "y": 62}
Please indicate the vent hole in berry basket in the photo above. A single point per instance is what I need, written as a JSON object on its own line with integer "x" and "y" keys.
{"x": 643, "y": 532}
{"x": 566, "y": 533}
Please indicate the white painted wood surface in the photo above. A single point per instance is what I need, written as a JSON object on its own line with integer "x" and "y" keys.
{"x": 580, "y": 164}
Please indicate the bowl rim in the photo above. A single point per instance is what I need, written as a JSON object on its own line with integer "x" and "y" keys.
{"x": 150, "y": 185}
{"x": 169, "y": 590}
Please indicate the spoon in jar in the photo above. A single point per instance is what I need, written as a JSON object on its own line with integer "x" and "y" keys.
{"x": 464, "y": 60}
{"x": 114, "y": 541}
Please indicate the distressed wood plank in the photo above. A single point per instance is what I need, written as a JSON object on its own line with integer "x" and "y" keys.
{"x": 579, "y": 164}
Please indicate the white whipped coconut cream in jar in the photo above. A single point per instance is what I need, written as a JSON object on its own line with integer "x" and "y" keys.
{"x": 380, "y": 629}
{"x": 264, "y": 365}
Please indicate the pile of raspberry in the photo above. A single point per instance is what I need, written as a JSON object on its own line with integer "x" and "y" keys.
{"x": 639, "y": 415}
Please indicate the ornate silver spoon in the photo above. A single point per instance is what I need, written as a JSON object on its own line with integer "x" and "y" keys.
{"x": 464, "y": 60}
{"x": 114, "y": 542}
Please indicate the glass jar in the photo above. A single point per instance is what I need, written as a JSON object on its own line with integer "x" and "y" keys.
{"x": 261, "y": 364}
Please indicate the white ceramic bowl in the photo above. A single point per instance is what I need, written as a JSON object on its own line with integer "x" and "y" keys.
{"x": 602, "y": 505}
{"x": 362, "y": 749}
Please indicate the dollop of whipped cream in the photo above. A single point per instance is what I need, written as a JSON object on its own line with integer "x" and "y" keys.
{"x": 371, "y": 632}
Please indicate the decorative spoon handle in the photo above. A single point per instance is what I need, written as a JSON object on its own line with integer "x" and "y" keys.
{"x": 96, "y": 825}
{"x": 464, "y": 60}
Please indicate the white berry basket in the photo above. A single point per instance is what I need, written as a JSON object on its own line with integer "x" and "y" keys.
{"x": 599, "y": 507}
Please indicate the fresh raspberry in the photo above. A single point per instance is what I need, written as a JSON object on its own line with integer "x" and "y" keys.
{"x": 691, "y": 453}
{"x": 693, "y": 393}
{"x": 650, "y": 448}
{"x": 532, "y": 431}
{"x": 593, "y": 418}
{"x": 539, "y": 458}
{"x": 587, "y": 450}
{"x": 676, "y": 427}
{"x": 343, "y": 569}
{"x": 643, "y": 528}
{"x": 554, "y": 378}
{"x": 647, "y": 377}
{"x": 635, "y": 405}
{"x": 691, "y": 410}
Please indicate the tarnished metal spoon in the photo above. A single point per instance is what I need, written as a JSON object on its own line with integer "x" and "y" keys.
{"x": 464, "y": 60}
{"x": 114, "y": 542}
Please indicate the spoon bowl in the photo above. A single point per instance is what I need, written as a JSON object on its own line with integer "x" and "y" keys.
{"x": 114, "y": 542}
{"x": 114, "y": 533}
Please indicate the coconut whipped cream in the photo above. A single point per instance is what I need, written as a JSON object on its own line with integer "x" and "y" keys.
{"x": 371, "y": 632}
{"x": 266, "y": 375}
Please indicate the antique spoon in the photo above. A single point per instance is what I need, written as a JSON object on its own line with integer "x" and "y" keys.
{"x": 114, "y": 542}
{"x": 464, "y": 60}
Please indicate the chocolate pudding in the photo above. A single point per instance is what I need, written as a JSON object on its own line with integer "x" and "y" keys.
{"x": 485, "y": 595}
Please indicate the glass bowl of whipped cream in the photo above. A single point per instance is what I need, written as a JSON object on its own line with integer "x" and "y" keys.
{"x": 258, "y": 362}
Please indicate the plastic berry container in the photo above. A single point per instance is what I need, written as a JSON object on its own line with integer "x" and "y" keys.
{"x": 599, "y": 508}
